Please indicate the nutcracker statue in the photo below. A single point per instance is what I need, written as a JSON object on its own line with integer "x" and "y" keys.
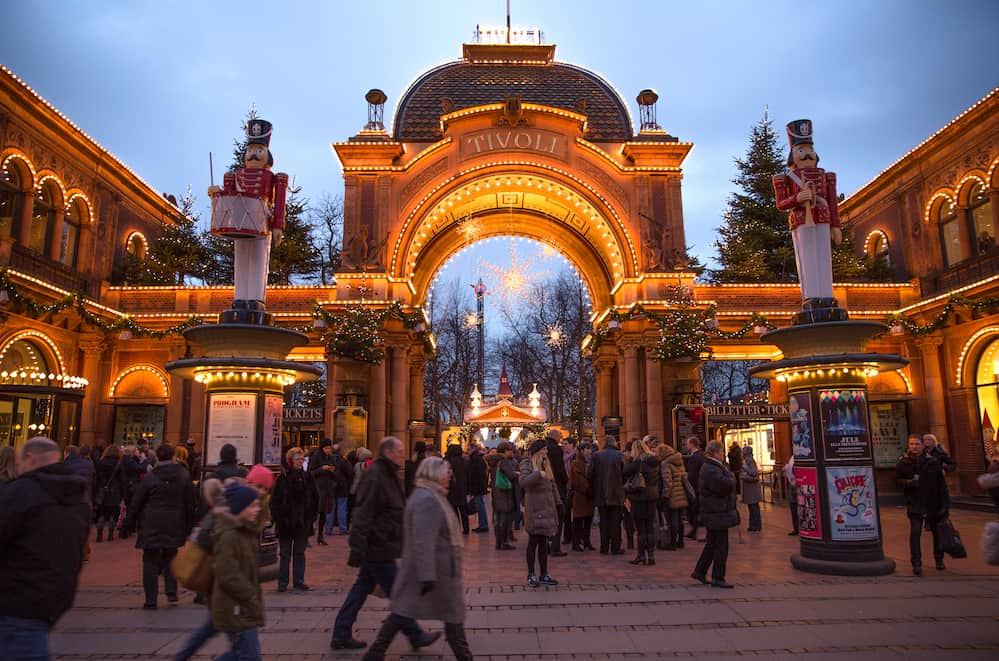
{"x": 808, "y": 194}
{"x": 249, "y": 209}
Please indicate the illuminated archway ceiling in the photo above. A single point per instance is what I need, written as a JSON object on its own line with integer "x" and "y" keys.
{"x": 524, "y": 199}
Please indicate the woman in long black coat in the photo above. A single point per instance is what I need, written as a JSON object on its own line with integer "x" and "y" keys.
{"x": 109, "y": 490}
{"x": 294, "y": 503}
{"x": 457, "y": 495}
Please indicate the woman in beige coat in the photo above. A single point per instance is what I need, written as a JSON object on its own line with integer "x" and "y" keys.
{"x": 541, "y": 503}
{"x": 429, "y": 583}
{"x": 674, "y": 495}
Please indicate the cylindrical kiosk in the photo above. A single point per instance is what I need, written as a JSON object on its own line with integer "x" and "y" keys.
{"x": 838, "y": 519}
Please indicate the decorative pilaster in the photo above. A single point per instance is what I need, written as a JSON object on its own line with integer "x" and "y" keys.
{"x": 654, "y": 396}
{"x": 400, "y": 390}
{"x": 603, "y": 368}
{"x": 632, "y": 394}
{"x": 377, "y": 404}
{"x": 929, "y": 349}
{"x": 417, "y": 362}
{"x": 92, "y": 347}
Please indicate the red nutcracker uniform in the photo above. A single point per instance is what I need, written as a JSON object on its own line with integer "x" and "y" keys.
{"x": 254, "y": 210}
{"x": 812, "y": 220}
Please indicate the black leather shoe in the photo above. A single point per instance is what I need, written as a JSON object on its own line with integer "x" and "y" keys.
{"x": 548, "y": 580}
{"x": 302, "y": 586}
{"x": 617, "y": 552}
{"x": 427, "y": 640}
{"x": 722, "y": 584}
{"x": 700, "y": 578}
{"x": 558, "y": 554}
{"x": 940, "y": 565}
{"x": 917, "y": 571}
{"x": 506, "y": 547}
{"x": 282, "y": 588}
{"x": 149, "y": 607}
{"x": 172, "y": 598}
{"x": 348, "y": 644}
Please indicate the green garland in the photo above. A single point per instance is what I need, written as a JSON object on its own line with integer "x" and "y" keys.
{"x": 988, "y": 304}
{"x": 77, "y": 302}
{"x": 355, "y": 333}
{"x": 684, "y": 329}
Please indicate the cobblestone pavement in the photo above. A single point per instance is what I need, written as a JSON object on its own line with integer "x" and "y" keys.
{"x": 603, "y": 608}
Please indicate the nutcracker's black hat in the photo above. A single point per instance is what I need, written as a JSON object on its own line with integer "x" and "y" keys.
{"x": 799, "y": 132}
{"x": 258, "y": 132}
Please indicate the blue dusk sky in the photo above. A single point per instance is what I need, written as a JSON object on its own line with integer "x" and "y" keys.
{"x": 160, "y": 84}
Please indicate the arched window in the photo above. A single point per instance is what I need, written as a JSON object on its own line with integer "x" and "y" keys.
{"x": 43, "y": 217}
{"x": 950, "y": 233}
{"x": 75, "y": 218}
{"x": 135, "y": 245}
{"x": 880, "y": 249}
{"x": 11, "y": 199}
{"x": 980, "y": 217}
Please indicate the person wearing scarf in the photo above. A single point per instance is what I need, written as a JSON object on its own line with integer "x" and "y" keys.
{"x": 429, "y": 583}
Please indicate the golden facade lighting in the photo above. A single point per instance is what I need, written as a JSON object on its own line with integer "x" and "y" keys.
{"x": 959, "y": 372}
{"x": 142, "y": 368}
{"x": 239, "y": 378}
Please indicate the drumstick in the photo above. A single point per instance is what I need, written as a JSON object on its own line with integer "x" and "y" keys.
{"x": 211, "y": 169}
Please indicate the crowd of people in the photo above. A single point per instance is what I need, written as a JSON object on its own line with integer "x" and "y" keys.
{"x": 405, "y": 519}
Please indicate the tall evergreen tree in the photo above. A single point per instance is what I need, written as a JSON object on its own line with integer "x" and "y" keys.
{"x": 755, "y": 241}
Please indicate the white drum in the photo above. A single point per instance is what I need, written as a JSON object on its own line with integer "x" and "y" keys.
{"x": 236, "y": 217}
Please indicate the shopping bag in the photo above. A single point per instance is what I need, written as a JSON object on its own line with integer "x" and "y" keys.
{"x": 950, "y": 540}
{"x": 192, "y": 567}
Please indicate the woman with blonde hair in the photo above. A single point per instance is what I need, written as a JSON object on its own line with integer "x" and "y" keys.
{"x": 641, "y": 474}
{"x": 429, "y": 584}
{"x": 294, "y": 504}
{"x": 541, "y": 503}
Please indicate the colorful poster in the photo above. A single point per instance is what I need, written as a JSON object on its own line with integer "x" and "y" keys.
{"x": 852, "y": 508}
{"x": 844, "y": 424}
{"x": 889, "y": 432}
{"x": 273, "y": 405}
{"x": 806, "y": 483}
{"x": 690, "y": 421}
{"x": 232, "y": 418}
{"x": 800, "y": 410}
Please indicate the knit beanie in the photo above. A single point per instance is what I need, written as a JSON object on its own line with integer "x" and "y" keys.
{"x": 227, "y": 454}
{"x": 239, "y": 496}
{"x": 537, "y": 446}
{"x": 261, "y": 475}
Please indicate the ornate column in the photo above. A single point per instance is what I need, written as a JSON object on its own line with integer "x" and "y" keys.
{"x": 632, "y": 394}
{"x": 175, "y": 405}
{"x": 933, "y": 382}
{"x": 377, "y": 404}
{"x": 654, "y": 397}
{"x": 994, "y": 200}
{"x": 24, "y": 226}
{"x": 332, "y": 391}
{"x": 92, "y": 347}
{"x": 964, "y": 232}
{"x": 400, "y": 387}
{"x": 417, "y": 361}
{"x": 55, "y": 238}
{"x": 603, "y": 369}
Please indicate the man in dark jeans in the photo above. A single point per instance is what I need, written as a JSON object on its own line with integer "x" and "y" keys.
{"x": 606, "y": 474}
{"x": 556, "y": 460}
{"x": 375, "y": 544}
{"x": 920, "y": 473}
{"x": 694, "y": 463}
{"x": 166, "y": 505}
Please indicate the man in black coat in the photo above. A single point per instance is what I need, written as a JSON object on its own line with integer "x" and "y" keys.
{"x": 694, "y": 463}
{"x": 166, "y": 505}
{"x": 44, "y": 524}
{"x": 478, "y": 486}
{"x": 82, "y": 466}
{"x": 227, "y": 464}
{"x": 716, "y": 493}
{"x": 375, "y": 544}
{"x": 457, "y": 494}
{"x": 606, "y": 474}
{"x": 556, "y": 459}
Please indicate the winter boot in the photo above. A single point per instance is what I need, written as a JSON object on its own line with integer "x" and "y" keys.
{"x": 111, "y": 534}
{"x": 651, "y": 559}
{"x": 100, "y": 533}
{"x": 631, "y": 542}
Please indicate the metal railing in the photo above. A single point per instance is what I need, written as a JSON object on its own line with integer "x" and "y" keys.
{"x": 28, "y": 261}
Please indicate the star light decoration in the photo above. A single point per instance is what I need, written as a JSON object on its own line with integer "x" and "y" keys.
{"x": 555, "y": 336}
{"x": 470, "y": 228}
{"x": 514, "y": 280}
{"x": 471, "y": 319}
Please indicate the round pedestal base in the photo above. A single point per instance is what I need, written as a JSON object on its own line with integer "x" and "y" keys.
{"x": 840, "y": 568}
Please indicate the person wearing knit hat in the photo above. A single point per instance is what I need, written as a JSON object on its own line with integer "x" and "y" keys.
{"x": 227, "y": 463}
{"x": 237, "y": 603}
{"x": 538, "y": 445}
{"x": 261, "y": 477}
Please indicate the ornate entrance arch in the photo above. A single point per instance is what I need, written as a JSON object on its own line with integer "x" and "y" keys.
{"x": 507, "y": 141}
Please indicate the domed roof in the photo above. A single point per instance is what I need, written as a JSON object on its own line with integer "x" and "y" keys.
{"x": 473, "y": 82}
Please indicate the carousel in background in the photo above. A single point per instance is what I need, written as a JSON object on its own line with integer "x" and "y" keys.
{"x": 490, "y": 420}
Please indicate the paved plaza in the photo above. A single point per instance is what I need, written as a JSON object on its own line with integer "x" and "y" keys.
{"x": 603, "y": 608}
